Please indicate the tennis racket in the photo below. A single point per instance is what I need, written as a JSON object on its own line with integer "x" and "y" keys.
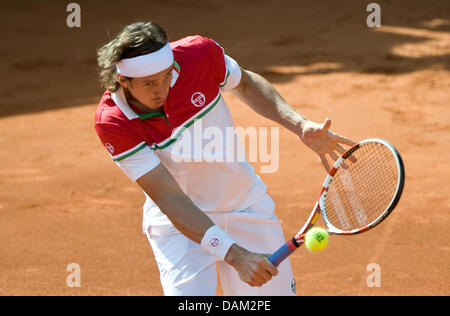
{"x": 360, "y": 191}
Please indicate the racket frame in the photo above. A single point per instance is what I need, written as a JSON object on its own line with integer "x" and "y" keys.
{"x": 291, "y": 245}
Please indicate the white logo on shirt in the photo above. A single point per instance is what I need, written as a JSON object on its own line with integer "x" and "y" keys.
{"x": 110, "y": 148}
{"x": 198, "y": 99}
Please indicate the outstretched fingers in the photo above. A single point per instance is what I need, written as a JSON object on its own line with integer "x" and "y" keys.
{"x": 341, "y": 139}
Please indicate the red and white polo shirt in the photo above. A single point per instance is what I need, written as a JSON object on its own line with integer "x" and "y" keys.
{"x": 195, "y": 106}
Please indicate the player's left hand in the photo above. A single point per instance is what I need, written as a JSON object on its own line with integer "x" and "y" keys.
{"x": 323, "y": 142}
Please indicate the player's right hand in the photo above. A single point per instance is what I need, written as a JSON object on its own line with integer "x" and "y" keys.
{"x": 253, "y": 268}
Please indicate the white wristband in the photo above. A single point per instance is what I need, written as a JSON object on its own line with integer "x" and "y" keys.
{"x": 217, "y": 242}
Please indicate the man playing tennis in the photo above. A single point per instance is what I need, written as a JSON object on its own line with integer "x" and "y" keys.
{"x": 197, "y": 212}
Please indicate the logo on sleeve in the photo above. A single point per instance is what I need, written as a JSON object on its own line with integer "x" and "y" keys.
{"x": 214, "y": 242}
{"x": 293, "y": 286}
{"x": 198, "y": 99}
{"x": 110, "y": 148}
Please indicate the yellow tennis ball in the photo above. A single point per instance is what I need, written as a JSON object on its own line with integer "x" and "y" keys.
{"x": 316, "y": 239}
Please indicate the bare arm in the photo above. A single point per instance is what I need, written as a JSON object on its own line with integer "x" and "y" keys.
{"x": 262, "y": 97}
{"x": 184, "y": 215}
{"x": 159, "y": 184}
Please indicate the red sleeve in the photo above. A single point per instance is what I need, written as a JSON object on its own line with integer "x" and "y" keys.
{"x": 217, "y": 55}
{"x": 117, "y": 139}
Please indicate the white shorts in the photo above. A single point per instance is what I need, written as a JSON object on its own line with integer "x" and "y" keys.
{"x": 188, "y": 270}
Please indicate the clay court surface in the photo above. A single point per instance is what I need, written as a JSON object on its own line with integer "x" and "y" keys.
{"x": 63, "y": 200}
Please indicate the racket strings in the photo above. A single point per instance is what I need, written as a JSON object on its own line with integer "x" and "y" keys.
{"x": 361, "y": 194}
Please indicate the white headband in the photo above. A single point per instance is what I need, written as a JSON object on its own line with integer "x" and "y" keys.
{"x": 146, "y": 65}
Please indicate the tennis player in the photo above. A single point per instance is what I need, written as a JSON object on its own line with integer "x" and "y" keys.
{"x": 197, "y": 212}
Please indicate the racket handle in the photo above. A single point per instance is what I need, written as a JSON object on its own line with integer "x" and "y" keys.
{"x": 278, "y": 256}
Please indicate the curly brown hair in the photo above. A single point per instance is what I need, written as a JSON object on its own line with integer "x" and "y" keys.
{"x": 134, "y": 40}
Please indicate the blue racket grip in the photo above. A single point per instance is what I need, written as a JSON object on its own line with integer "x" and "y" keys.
{"x": 278, "y": 256}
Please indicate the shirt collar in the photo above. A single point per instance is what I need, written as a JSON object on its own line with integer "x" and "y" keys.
{"x": 175, "y": 73}
{"x": 121, "y": 101}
